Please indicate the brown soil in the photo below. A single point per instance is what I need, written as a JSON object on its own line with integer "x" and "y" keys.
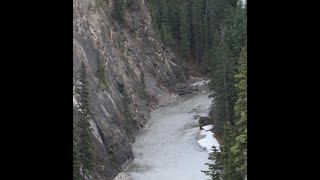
{"x": 218, "y": 137}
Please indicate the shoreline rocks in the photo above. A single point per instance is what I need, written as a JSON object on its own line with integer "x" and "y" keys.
{"x": 203, "y": 121}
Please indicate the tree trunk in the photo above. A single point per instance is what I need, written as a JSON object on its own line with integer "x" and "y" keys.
{"x": 224, "y": 77}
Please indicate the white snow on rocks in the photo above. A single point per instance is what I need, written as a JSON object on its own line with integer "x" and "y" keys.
{"x": 208, "y": 141}
{"x": 200, "y": 83}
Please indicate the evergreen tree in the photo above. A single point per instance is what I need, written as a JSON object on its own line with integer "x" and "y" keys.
{"x": 240, "y": 148}
{"x": 205, "y": 32}
{"x": 173, "y": 15}
{"x": 184, "y": 32}
{"x": 102, "y": 82}
{"x": 155, "y": 14}
{"x": 222, "y": 75}
{"x": 143, "y": 86}
{"x": 237, "y": 32}
{"x": 76, "y": 167}
{"x": 164, "y": 12}
{"x": 228, "y": 75}
{"x": 215, "y": 84}
{"x": 174, "y": 18}
{"x": 165, "y": 34}
{"x": 85, "y": 144}
{"x": 194, "y": 15}
{"x": 126, "y": 101}
{"x": 229, "y": 167}
{"x": 216, "y": 168}
{"x": 118, "y": 10}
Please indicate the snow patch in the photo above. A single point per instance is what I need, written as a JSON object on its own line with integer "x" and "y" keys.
{"x": 208, "y": 141}
{"x": 200, "y": 83}
{"x": 207, "y": 127}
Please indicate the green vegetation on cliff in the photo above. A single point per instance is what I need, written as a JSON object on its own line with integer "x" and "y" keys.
{"x": 83, "y": 149}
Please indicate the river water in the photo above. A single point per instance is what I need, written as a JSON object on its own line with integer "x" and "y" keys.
{"x": 167, "y": 148}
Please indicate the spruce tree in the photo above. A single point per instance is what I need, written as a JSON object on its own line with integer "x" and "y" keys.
{"x": 222, "y": 70}
{"x": 126, "y": 101}
{"x": 164, "y": 14}
{"x": 173, "y": 15}
{"x": 102, "y": 82}
{"x": 143, "y": 86}
{"x": 205, "y": 32}
{"x": 236, "y": 35}
{"x": 229, "y": 167}
{"x": 165, "y": 34}
{"x": 184, "y": 32}
{"x": 85, "y": 144}
{"x": 216, "y": 168}
{"x": 240, "y": 147}
{"x": 155, "y": 14}
{"x": 228, "y": 84}
{"x": 194, "y": 22}
{"x": 76, "y": 167}
{"x": 118, "y": 10}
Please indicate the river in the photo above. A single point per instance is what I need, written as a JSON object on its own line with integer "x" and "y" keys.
{"x": 167, "y": 148}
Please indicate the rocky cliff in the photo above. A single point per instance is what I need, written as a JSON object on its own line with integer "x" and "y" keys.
{"x": 124, "y": 51}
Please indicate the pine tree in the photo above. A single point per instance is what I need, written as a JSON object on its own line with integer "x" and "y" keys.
{"x": 173, "y": 15}
{"x": 216, "y": 84}
{"x": 194, "y": 15}
{"x": 143, "y": 86}
{"x": 211, "y": 28}
{"x": 229, "y": 167}
{"x": 118, "y": 10}
{"x": 76, "y": 167}
{"x": 102, "y": 82}
{"x": 126, "y": 101}
{"x": 240, "y": 147}
{"x": 184, "y": 32}
{"x": 205, "y": 32}
{"x": 223, "y": 166}
{"x": 85, "y": 144}
{"x": 164, "y": 14}
{"x": 222, "y": 70}
{"x": 165, "y": 34}
{"x": 216, "y": 168}
{"x": 236, "y": 37}
{"x": 228, "y": 84}
{"x": 155, "y": 14}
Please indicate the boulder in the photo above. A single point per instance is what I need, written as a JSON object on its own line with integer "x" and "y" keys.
{"x": 203, "y": 121}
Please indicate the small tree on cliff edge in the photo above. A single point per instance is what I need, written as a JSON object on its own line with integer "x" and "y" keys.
{"x": 76, "y": 167}
{"x": 118, "y": 10}
{"x": 143, "y": 86}
{"x": 85, "y": 144}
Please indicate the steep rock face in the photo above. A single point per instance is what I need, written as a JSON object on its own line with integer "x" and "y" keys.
{"x": 125, "y": 50}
